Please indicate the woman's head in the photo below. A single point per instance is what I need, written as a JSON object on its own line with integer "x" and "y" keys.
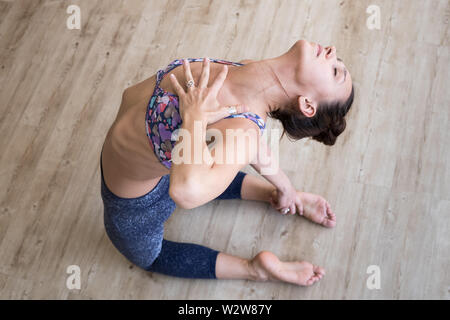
{"x": 321, "y": 75}
{"x": 325, "y": 94}
{"x": 327, "y": 123}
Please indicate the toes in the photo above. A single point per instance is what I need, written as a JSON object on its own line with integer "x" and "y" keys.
{"x": 312, "y": 280}
{"x": 318, "y": 274}
{"x": 329, "y": 211}
{"x": 330, "y": 220}
{"x": 319, "y": 270}
{"x": 329, "y": 223}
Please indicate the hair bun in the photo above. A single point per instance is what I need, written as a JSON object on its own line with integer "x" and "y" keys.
{"x": 329, "y": 135}
{"x": 325, "y": 126}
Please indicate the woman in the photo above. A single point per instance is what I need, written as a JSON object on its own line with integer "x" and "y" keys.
{"x": 308, "y": 89}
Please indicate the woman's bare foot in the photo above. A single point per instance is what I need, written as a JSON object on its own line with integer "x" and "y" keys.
{"x": 266, "y": 266}
{"x": 317, "y": 209}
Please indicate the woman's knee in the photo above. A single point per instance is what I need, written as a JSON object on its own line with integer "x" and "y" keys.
{"x": 233, "y": 191}
{"x": 143, "y": 256}
{"x": 139, "y": 248}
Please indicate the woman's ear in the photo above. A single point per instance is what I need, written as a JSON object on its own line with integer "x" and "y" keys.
{"x": 307, "y": 106}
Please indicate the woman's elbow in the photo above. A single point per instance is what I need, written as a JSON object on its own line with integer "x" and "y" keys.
{"x": 185, "y": 196}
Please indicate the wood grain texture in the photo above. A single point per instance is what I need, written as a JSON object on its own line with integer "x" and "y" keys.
{"x": 387, "y": 178}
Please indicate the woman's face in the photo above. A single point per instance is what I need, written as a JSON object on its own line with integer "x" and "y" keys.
{"x": 322, "y": 75}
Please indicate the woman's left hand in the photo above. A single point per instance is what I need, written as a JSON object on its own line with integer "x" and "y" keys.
{"x": 288, "y": 199}
{"x": 200, "y": 99}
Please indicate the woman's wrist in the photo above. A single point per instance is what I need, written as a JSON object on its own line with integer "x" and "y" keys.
{"x": 283, "y": 184}
{"x": 191, "y": 117}
{"x": 284, "y": 188}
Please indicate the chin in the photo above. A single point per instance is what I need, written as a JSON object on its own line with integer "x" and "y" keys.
{"x": 306, "y": 52}
{"x": 301, "y": 43}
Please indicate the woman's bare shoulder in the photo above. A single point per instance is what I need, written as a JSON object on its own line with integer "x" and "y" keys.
{"x": 247, "y": 61}
{"x": 140, "y": 90}
{"x": 236, "y": 127}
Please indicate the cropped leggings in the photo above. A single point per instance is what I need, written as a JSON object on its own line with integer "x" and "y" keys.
{"x": 135, "y": 227}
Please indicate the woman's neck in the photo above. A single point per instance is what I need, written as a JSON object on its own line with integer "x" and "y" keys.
{"x": 261, "y": 85}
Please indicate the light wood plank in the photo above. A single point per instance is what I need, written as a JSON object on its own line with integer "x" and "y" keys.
{"x": 387, "y": 177}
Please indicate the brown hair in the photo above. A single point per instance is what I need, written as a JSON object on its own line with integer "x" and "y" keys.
{"x": 325, "y": 126}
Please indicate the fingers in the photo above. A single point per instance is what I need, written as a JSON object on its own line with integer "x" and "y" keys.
{"x": 274, "y": 200}
{"x": 220, "y": 79}
{"x": 273, "y": 203}
{"x": 178, "y": 88}
{"x": 299, "y": 205}
{"x": 204, "y": 78}
{"x": 292, "y": 208}
{"x": 274, "y": 193}
{"x": 289, "y": 209}
{"x": 278, "y": 206}
{"x": 224, "y": 112}
{"x": 282, "y": 207}
{"x": 187, "y": 71}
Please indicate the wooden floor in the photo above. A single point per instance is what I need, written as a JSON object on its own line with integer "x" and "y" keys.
{"x": 387, "y": 178}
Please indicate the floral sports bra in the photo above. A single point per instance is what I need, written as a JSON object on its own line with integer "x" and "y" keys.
{"x": 163, "y": 118}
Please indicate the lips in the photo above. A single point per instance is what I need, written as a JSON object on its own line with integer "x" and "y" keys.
{"x": 319, "y": 49}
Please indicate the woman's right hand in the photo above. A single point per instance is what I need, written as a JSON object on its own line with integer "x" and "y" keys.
{"x": 200, "y": 102}
{"x": 289, "y": 199}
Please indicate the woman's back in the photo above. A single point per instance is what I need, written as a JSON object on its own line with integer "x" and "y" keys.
{"x": 130, "y": 165}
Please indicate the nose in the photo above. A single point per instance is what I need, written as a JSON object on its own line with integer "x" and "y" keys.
{"x": 330, "y": 52}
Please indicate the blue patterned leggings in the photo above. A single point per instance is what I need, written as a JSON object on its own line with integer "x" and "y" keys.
{"x": 135, "y": 226}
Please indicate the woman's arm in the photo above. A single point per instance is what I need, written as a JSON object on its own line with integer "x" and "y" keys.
{"x": 191, "y": 184}
{"x": 267, "y": 166}
{"x": 191, "y": 146}
{"x": 285, "y": 195}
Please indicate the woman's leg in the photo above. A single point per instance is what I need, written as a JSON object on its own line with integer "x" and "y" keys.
{"x": 194, "y": 261}
{"x": 136, "y": 227}
{"x": 189, "y": 260}
{"x": 228, "y": 266}
{"x": 185, "y": 260}
{"x": 248, "y": 187}
{"x": 257, "y": 189}
{"x": 265, "y": 265}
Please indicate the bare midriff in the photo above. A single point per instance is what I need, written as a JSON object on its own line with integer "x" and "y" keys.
{"x": 130, "y": 167}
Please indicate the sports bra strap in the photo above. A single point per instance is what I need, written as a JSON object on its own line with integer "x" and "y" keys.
{"x": 177, "y": 62}
{"x": 251, "y": 116}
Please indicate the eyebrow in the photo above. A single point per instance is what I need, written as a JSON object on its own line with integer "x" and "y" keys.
{"x": 345, "y": 70}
